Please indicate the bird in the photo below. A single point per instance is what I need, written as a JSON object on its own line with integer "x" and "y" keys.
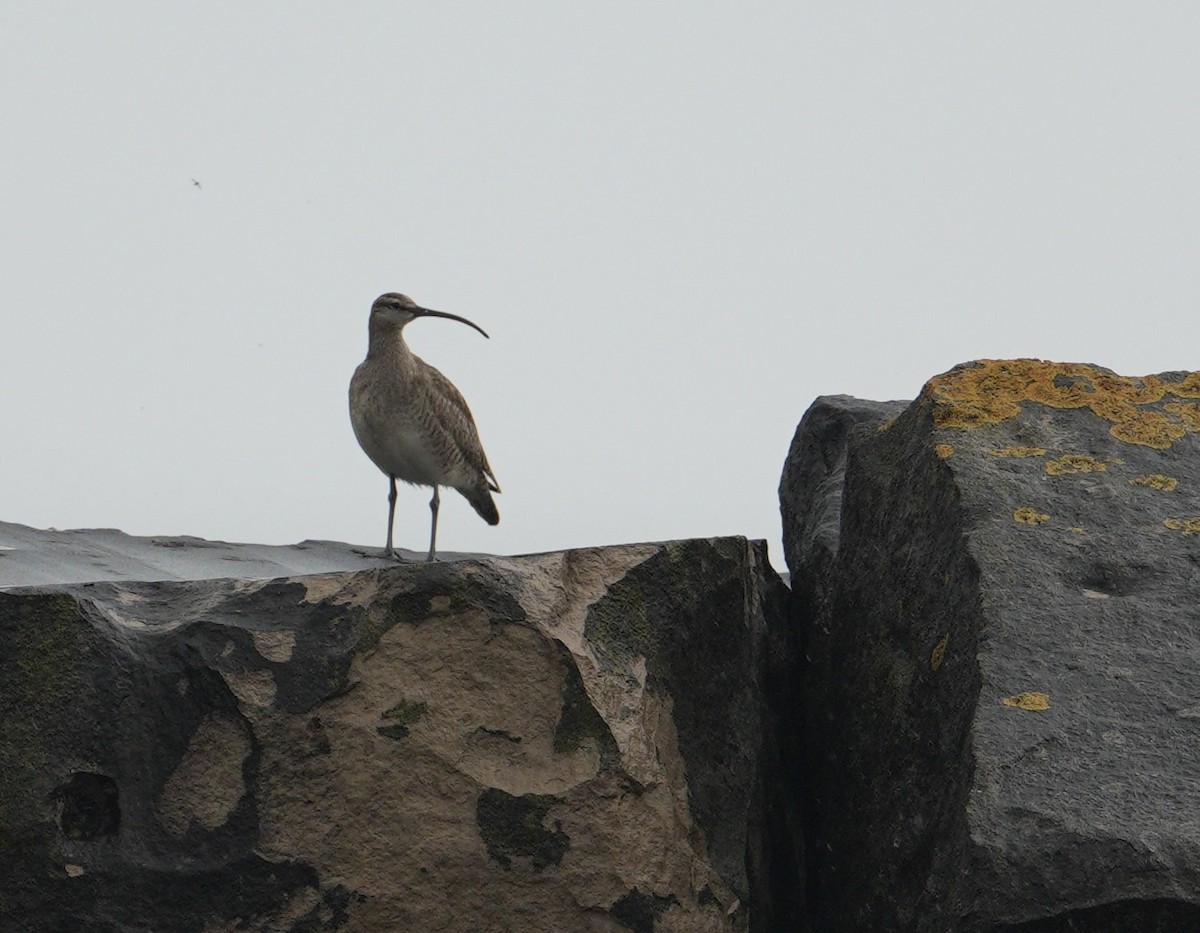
{"x": 411, "y": 420}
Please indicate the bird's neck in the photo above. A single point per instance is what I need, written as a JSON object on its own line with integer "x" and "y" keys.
{"x": 387, "y": 343}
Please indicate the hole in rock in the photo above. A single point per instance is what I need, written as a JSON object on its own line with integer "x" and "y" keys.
{"x": 1120, "y": 580}
{"x": 87, "y": 806}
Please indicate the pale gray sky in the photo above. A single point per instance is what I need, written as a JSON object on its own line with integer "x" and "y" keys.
{"x": 679, "y": 221}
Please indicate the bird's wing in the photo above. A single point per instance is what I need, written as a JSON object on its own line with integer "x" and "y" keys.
{"x": 458, "y": 427}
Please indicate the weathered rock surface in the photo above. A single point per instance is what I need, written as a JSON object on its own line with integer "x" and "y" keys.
{"x": 567, "y": 741}
{"x": 48, "y": 557}
{"x": 1001, "y": 693}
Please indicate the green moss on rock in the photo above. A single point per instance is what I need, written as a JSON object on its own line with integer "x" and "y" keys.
{"x": 514, "y": 827}
{"x": 399, "y": 718}
{"x": 579, "y": 722}
{"x": 41, "y": 680}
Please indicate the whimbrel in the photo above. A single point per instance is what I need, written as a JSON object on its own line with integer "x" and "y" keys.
{"x": 412, "y": 422}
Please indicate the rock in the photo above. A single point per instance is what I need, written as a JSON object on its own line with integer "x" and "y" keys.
{"x": 810, "y": 490}
{"x": 567, "y": 741}
{"x": 36, "y": 557}
{"x": 1000, "y": 692}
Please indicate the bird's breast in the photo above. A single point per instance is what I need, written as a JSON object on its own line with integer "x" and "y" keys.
{"x": 391, "y": 431}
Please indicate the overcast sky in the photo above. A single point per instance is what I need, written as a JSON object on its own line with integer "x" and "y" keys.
{"x": 680, "y": 222}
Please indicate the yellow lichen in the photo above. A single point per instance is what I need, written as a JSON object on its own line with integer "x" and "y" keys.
{"x": 1075, "y": 463}
{"x": 944, "y": 450}
{"x": 1187, "y": 412}
{"x": 1189, "y": 526}
{"x": 887, "y": 424}
{"x": 963, "y": 414}
{"x": 938, "y": 654}
{"x": 991, "y": 391}
{"x": 1031, "y": 701}
{"x": 1187, "y": 387}
{"x": 1018, "y": 451}
{"x": 1152, "y": 429}
{"x": 1156, "y": 481}
{"x": 1028, "y": 516}
{"x": 1116, "y": 410}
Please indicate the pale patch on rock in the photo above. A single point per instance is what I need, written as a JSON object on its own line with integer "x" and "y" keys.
{"x": 320, "y": 587}
{"x": 254, "y": 690}
{"x": 357, "y": 589}
{"x": 123, "y": 620}
{"x": 275, "y": 646}
{"x": 207, "y": 784}
{"x": 133, "y": 602}
{"x": 462, "y": 672}
{"x": 557, "y": 596}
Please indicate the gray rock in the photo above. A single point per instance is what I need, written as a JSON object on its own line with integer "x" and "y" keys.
{"x": 1002, "y": 652}
{"x": 37, "y": 557}
{"x": 810, "y": 490}
{"x": 566, "y": 741}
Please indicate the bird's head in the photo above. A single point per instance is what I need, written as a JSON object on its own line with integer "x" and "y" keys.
{"x": 394, "y": 310}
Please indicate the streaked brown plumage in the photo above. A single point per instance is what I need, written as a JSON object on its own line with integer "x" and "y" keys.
{"x": 411, "y": 420}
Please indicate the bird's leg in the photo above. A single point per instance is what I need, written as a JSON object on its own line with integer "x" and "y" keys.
{"x": 433, "y": 507}
{"x": 388, "y": 551}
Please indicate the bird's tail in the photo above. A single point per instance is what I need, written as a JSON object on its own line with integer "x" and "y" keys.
{"x": 482, "y": 502}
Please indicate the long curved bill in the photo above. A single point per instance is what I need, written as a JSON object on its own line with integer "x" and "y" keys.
{"x": 420, "y": 312}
